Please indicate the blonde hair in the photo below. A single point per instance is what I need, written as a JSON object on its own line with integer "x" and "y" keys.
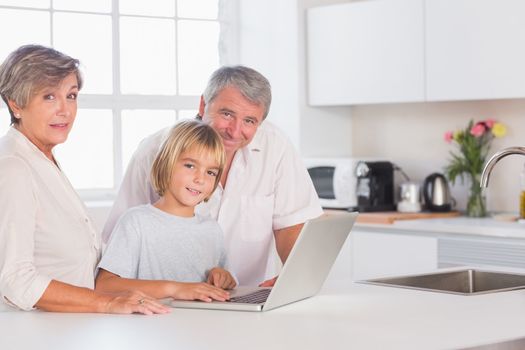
{"x": 188, "y": 134}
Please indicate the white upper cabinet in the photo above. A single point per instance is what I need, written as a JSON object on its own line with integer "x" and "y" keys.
{"x": 475, "y": 49}
{"x": 381, "y": 51}
{"x": 366, "y": 52}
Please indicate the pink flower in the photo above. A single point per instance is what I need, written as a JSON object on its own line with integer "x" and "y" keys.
{"x": 449, "y": 136}
{"x": 489, "y": 123}
{"x": 477, "y": 130}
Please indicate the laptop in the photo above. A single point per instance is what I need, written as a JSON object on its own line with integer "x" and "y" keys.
{"x": 301, "y": 277}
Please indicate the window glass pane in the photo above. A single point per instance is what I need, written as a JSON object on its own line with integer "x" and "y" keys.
{"x": 197, "y": 62}
{"x": 39, "y": 4}
{"x": 187, "y": 114}
{"x": 83, "y": 5}
{"x": 197, "y": 9}
{"x": 148, "y": 8}
{"x": 147, "y": 56}
{"x": 5, "y": 119}
{"x": 87, "y": 155}
{"x": 138, "y": 124}
{"x": 75, "y": 34}
{"x": 36, "y": 33}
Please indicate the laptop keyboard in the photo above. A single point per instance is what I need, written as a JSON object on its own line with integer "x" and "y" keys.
{"x": 256, "y": 297}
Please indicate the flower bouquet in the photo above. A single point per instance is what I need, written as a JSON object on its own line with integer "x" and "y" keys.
{"x": 474, "y": 143}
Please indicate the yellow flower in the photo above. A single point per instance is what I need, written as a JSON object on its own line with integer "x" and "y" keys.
{"x": 457, "y": 135}
{"x": 499, "y": 130}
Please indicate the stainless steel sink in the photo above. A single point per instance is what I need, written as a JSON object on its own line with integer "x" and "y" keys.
{"x": 463, "y": 282}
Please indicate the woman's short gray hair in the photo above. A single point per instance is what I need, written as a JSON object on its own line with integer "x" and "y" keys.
{"x": 252, "y": 85}
{"x": 29, "y": 69}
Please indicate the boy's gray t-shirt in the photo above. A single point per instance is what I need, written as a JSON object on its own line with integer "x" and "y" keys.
{"x": 148, "y": 243}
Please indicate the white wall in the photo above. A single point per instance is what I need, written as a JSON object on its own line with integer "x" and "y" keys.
{"x": 411, "y": 135}
{"x": 325, "y": 131}
{"x": 268, "y": 43}
{"x": 271, "y": 40}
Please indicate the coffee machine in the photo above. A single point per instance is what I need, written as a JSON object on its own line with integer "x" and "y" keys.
{"x": 375, "y": 186}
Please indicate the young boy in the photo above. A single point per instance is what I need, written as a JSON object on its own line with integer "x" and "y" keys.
{"x": 165, "y": 249}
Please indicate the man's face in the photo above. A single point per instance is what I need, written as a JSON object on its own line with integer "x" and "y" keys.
{"x": 234, "y": 117}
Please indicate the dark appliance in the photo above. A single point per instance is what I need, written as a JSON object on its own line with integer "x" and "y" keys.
{"x": 375, "y": 186}
{"x": 437, "y": 193}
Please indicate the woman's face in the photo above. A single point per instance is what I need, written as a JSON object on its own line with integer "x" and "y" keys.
{"x": 49, "y": 114}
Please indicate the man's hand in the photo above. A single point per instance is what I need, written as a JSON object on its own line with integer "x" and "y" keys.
{"x": 221, "y": 278}
{"x": 269, "y": 283}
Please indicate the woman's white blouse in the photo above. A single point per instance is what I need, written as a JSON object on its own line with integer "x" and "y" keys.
{"x": 45, "y": 232}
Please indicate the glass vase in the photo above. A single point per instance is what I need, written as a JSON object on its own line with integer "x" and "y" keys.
{"x": 476, "y": 204}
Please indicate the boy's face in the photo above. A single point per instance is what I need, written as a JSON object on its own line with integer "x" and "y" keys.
{"x": 192, "y": 181}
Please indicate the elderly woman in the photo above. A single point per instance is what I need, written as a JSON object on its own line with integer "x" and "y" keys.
{"x": 48, "y": 245}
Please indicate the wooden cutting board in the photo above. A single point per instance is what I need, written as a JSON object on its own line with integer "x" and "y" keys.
{"x": 388, "y": 217}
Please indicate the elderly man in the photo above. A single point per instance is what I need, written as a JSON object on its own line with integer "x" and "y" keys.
{"x": 264, "y": 191}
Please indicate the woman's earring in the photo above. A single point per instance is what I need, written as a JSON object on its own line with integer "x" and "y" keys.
{"x": 17, "y": 115}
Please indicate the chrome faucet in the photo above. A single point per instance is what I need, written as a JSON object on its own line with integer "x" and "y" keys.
{"x": 494, "y": 159}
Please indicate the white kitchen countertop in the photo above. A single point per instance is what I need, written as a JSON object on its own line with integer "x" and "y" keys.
{"x": 459, "y": 225}
{"x": 344, "y": 315}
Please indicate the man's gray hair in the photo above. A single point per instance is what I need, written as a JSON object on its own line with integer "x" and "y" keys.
{"x": 29, "y": 69}
{"x": 252, "y": 85}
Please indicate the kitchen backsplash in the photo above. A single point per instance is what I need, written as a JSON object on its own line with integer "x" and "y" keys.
{"x": 411, "y": 135}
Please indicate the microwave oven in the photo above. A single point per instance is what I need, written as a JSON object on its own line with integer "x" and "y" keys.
{"x": 334, "y": 180}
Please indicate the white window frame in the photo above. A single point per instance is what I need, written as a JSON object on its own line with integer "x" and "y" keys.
{"x": 117, "y": 102}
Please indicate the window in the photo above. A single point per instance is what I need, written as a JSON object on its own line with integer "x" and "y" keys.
{"x": 144, "y": 63}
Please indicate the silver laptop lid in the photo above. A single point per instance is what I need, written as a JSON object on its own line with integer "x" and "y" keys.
{"x": 304, "y": 272}
{"x": 311, "y": 259}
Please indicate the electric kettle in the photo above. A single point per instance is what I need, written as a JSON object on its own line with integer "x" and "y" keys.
{"x": 437, "y": 193}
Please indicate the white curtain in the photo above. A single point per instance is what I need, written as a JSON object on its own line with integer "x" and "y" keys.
{"x": 229, "y": 32}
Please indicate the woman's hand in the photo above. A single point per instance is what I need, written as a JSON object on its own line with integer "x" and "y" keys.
{"x": 199, "y": 291}
{"x": 134, "y": 302}
{"x": 221, "y": 278}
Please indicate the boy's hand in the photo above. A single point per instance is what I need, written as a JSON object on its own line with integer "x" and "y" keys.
{"x": 199, "y": 291}
{"x": 221, "y": 278}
